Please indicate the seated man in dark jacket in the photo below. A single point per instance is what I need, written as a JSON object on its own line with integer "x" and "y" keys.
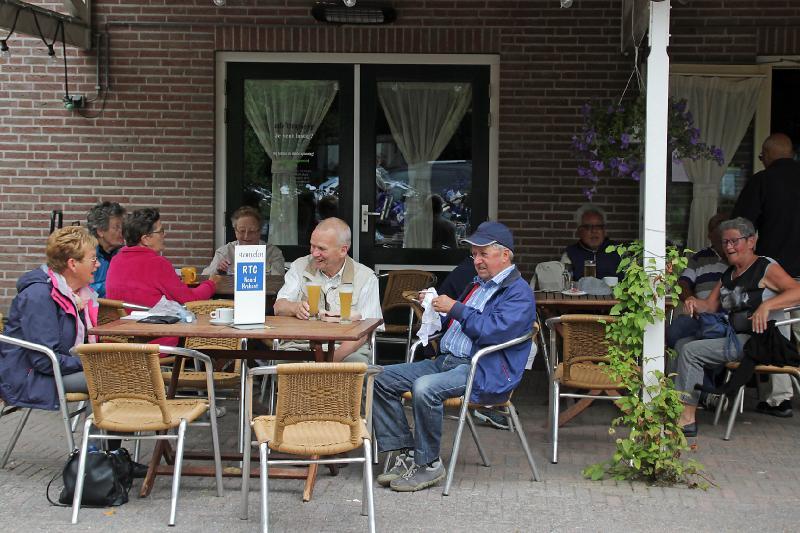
{"x": 591, "y": 245}
{"x": 497, "y": 307}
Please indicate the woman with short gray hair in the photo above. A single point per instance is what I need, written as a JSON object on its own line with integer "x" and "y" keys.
{"x": 246, "y": 222}
{"x": 104, "y": 222}
{"x": 755, "y": 287}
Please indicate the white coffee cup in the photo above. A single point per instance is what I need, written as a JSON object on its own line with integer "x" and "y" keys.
{"x": 222, "y": 314}
{"x": 610, "y": 280}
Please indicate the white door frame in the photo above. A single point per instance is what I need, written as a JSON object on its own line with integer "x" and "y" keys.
{"x": 220, "y": 158}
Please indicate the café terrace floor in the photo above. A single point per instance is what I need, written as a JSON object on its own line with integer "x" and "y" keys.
{"x": 756, "y": 474}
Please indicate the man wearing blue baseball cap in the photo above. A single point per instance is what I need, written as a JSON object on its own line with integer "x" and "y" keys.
{"x": 497, "y": 307}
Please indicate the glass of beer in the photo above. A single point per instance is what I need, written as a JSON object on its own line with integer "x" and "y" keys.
{"x": 314, "y": 290}
{"x": 590, "y": 268}
{"x": 345, "y": 302}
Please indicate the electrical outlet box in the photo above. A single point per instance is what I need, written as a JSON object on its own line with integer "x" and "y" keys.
{"x": 74, "y": 101}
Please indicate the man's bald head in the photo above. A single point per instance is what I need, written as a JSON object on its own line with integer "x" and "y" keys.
{"x": 776, "y": 146}
{"x": 337, "y": 226}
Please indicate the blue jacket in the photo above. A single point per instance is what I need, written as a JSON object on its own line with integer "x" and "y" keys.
{"x": 508, "y": 314}
{"x": 26, "y": 376}
{"x": 99, "y": 283}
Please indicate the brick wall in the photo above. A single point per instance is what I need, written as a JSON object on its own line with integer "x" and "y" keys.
{"x": 154, "y": 142}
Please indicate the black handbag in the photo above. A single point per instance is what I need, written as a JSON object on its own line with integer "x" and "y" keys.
{"x": 107, "y": 478}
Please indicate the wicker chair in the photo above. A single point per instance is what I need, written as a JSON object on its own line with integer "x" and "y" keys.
{"x": 64, "y": 398}
{"x": 128, "y": 395}
{"x": 584, "y": 347}
{"x": 192, "y": 379}
{"x": 398, "y": 282}
{"x": 111, "y": 310}
{"x": 505, "y": 409}
{"x": 318, "y": 414}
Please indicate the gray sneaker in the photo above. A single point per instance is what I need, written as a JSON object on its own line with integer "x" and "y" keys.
{"x": 419, "y": 477}
{"x": 402, "y": 462}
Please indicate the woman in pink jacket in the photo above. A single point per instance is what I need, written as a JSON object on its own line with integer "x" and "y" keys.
{"x": 139, "y": 274}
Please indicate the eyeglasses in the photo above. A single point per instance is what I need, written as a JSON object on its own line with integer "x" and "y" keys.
{"x": 92, "y": 260}
{"x": 761, "y": 156}
{"x": 162, "y": 231}
{"x": 592, "y": 227}
{"x": 246, "y": 231}
{"x": 733, "y": 242}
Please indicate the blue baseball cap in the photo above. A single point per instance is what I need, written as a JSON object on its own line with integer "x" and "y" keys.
{"x": 491, "y": 233}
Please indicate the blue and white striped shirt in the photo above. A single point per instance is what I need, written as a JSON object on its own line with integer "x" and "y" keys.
{"x": 455, "y": 341}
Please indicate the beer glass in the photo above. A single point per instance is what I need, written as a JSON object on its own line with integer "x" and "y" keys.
{"x": 314, "y": 290}
{"x": 590, "y": 268}
{"x": 345, "y": 302}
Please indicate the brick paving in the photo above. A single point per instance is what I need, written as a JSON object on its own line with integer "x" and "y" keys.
{"x": 756, "y": 474}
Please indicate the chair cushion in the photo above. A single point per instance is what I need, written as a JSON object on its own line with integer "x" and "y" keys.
{"x": 309, "y": 438}
{"x": 586, "y": 376}
{"x": 455, "y": 403}
{"x": 76, "y": 396}
{"x": 194, "y": 379}
{"x": 137, "y": 415}
{"x": 769, "y": 369}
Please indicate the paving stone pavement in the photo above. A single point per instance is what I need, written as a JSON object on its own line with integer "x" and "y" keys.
{"x": 757, "y": 479}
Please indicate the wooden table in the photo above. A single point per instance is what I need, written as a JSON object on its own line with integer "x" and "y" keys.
{"x": 276, "y": 327}
{"x": 558, "y": 303}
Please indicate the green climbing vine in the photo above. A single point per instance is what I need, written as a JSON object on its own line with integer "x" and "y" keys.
{"x": 653, "y": 447}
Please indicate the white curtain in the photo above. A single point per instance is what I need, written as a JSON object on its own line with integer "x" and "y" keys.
{"x": 423, "y": 118}
{"x": 285, "y": 114}
{"x": 722, "y": 109}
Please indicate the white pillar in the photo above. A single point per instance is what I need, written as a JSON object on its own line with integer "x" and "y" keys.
{"x": 655, "y": 181}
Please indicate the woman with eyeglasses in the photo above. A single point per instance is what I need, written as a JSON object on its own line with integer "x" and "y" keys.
{"x": 754, "y": 288}
{"x": 246, "y": 223}
{"x": 139, "y": 274}
{"x": 54, "y": 307}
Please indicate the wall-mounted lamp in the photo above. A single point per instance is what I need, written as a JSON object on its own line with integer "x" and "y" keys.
{"x": 51, "y": 55}
{"x": 5, "y": 53}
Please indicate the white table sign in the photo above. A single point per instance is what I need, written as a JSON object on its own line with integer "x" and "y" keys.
{"x": 249, "y": 296}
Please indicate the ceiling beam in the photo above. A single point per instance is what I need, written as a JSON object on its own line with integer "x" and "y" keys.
{"x": 77, "y": 25}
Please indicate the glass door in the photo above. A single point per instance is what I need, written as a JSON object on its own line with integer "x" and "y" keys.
{"x": 290, "y": 148}
{"x": 424, "y": 161}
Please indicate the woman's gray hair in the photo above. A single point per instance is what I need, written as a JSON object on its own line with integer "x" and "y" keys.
{"x": 101, "y": 214}
{"x": 588, "y": 208}
{"x": 740, "y": 224}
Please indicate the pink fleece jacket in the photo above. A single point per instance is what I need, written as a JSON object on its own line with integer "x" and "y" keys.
{"x": 139, "y": 275}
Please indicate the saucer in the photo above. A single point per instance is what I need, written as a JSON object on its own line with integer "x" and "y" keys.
{"x": 215, "y": 322}
{"x": 574, "y": 293}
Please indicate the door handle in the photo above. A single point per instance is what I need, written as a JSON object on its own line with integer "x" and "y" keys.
{"x": 365, "y": 214}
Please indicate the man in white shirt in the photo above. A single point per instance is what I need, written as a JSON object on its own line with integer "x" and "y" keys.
{"x": 329, "y": 265}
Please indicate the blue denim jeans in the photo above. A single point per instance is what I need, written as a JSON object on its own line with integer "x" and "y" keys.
{"x": 431, "y": 382}
{"x": 682, "y": 326}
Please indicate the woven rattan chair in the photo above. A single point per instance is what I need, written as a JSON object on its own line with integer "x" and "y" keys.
{"x": 64, "y": 399}
{"x": 128, "y": 395}
{"x": 398, "y": 282}
{"x": 584, "y": 347}
{"x": 505, "y": 409}
{"x": 192, "y": 379}
{"x": 318, "y": 414}
{"x": 111, "y": 310}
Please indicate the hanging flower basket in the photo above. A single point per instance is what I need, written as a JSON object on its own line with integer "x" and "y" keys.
{"x": 609, "y": 143}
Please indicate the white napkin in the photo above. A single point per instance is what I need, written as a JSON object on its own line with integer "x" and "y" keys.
{"x": 431, "y": 321}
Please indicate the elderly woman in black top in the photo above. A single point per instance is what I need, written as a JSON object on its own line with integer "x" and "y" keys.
{"x": 753, "y": 284}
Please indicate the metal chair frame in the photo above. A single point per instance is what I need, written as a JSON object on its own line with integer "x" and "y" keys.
{"x": 510, "y": 412}
{"x": 555, "y": 386}
{"x": 367, "y": 504}
{"x": 66, "y": 415}
{"x": 179, "y": 437}
{"x": 737, "y": 406}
